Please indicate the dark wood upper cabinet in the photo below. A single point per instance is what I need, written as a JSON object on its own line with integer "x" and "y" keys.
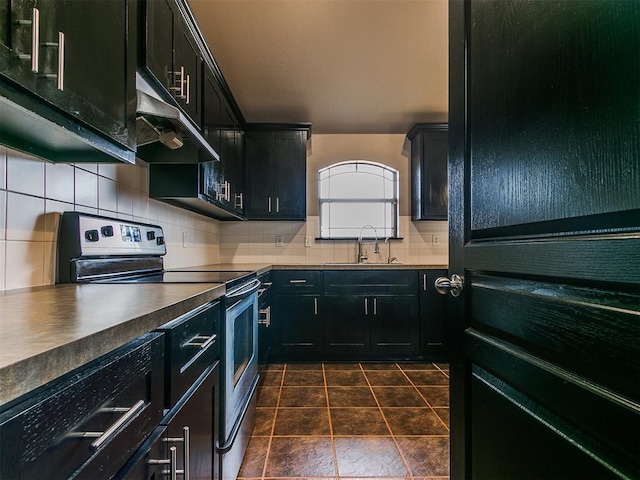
{"x": 429, "y": 192}
{"x": 172, "y": 56}
{"x": 73, "y": 64}
{"x": 276, "y": 174}
{"x": 159, "y": 40}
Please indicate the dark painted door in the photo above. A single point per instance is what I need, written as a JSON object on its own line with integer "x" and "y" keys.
{"x": 298, "y": 324}
{"x": 394, "y": 324}
{"x": 545, "y": 229}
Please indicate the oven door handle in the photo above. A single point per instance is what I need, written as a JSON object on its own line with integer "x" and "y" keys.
{"x": 244, "y": 290}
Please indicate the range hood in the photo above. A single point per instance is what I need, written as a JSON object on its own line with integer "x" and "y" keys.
{"x": 164, "y": 133}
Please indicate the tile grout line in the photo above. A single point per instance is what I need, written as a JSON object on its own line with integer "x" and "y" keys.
{"x": 443, "y": 372}
{"x": 393, "y": 438}
{"x": 331, "y": 437}
{"x": 425, "y": 400}
{"x": 273, "y": 426}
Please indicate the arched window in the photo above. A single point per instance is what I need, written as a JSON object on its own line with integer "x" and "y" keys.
{"x": 358, "y": 193}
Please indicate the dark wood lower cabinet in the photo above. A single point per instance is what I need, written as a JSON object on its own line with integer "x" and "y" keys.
{"x": 299, "y": 326}
{"x": 433, "y": 310}
{"x": 88, "y": 423}
{"x": 346, "y": 325}
{"x": 394, "y": 325}
{"x": 348, "y": 315}
{"x": 191, "y": 430}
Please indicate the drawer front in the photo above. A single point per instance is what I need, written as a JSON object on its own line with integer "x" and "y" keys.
{"x": 371, "y": 281}
{"x": 298, "y": 281}
{"x": 192, "y": 346}
{"x": 87, "y": 424}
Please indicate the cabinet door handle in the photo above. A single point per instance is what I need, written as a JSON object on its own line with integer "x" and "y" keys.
{"x": 60, "y": 61}
{"x": 297, "y": 281}
{"x": 173, "y": 465}
{"x": 35, "y": 39}
{"x": 102, "y": 437}
{"x": 188, "y": 89}
{"x": 201, "y": 341}
{"x": 239, "y": 201}
{"x": 315, "y": 305}
{"x": 269, "y": 204}
{"x": 186, "y": 449}
{"x": 424, "y": 282}
{"x": 366, "y": 306}
{"x": 277, "y": 204}
{"x": 181, "y": 82}
{"x": 375, "y": 306}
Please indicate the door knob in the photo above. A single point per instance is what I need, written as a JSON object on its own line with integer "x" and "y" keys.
{"x": 454, "y": 286}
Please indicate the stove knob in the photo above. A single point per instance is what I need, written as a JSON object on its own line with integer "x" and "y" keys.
{"x": 151, "y": 235}
{"x": 91, "y": 235}
{"x": 159, "y": 240}
{"x": 107, "y": 231}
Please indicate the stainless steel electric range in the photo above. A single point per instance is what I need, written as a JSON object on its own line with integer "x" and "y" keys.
{"x": 96, "y": 249}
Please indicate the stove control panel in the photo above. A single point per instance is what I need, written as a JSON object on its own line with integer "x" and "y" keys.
{"x": 103, "y": 236}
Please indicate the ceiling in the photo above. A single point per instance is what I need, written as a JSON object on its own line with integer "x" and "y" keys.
{"x": 346, "y": 66}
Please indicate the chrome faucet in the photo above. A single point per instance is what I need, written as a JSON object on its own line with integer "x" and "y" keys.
{"x": 362, "y": 254}
{"x": 390, "y": 259}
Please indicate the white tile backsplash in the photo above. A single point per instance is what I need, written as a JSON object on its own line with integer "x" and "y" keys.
{"x": 24, "y": 264}
{"x": 3, "y": 214}
{"x": 36, "y": 193}
{"x": 86, "y": 188}
{"x": 107, "y": 195}
{"x": 59, "y": 182}
{"x": 25, "y": 174}
{"x": 25, "y": 218}
{"x": 3, "y": 167}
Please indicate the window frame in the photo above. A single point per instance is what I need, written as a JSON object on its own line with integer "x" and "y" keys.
{"x": 394, "y": 202}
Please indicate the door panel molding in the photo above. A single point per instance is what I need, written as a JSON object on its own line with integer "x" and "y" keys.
{"x": 576, "y": 257}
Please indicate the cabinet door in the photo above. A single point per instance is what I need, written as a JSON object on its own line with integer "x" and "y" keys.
{"x": 429, "y": 157}
{"x": 89, "y": 68}
{"x": 289, "y": 174}
{"x": 259, "y": 202}
{"x": 434, "y": 175}
{"x": 187, "y": 79}
{"x": 276, "y": 175}
{"x": 212, "y": 111}
{"x": 159, "y": 41}
{"x": 191, "y": 431}
{"x": 347, "y": 324}
{"x": 432, "y": 315}
{"x": 394, "y": 325}
{"x": 299, "y": 324}
{"x": 237, "y": 183}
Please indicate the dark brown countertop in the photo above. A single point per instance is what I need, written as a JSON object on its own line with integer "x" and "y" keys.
{"x": 48, "y": 331}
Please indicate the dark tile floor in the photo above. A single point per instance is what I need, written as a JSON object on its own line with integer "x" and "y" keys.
{"x": 350, "y": 420}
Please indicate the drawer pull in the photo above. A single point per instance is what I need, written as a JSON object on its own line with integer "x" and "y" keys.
{"x": 201, "y": 341}
{"x": 102, "y": 437}
{"x": 297, "y": 281}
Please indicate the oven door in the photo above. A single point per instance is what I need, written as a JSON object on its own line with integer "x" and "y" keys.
{"x": 240, "y": 356}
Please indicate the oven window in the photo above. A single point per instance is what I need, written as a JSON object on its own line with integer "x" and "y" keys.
{"x": 242, "y": 342}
